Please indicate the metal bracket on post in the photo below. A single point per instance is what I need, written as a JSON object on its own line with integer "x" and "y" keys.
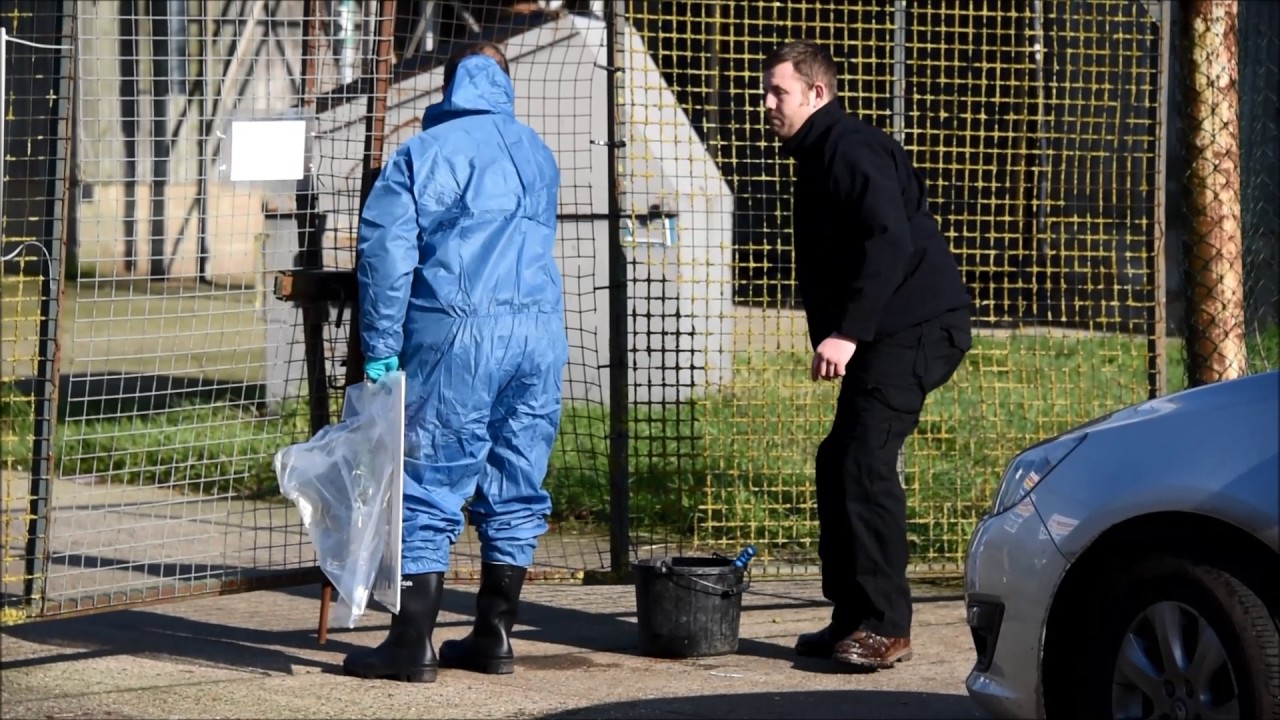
{"x": 311, "y": 286}
{"x": 317, "y": 290}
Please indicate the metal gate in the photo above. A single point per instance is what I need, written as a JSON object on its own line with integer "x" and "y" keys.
{"x": 153, "y": 358}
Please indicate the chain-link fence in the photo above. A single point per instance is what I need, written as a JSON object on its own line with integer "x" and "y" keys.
{"x": 1036, "y": 125}
{"x": 1224, "y": 167}
{"x": 218, "y": 144}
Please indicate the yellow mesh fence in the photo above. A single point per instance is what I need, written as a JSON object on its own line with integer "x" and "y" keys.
{"x": 19, "y": 315}
{"x": 30, "y": 112}
{"x": 1035, "y": 125}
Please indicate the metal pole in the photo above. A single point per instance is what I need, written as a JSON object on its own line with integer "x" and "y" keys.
{"x": 160, "y": 72}
{"x": 1216, "y": 307}
{"x": 1042, "y": 167}
{"x": 1157, "y": 240}
{"x": 899, "y": 129}
{"x": 619, "y": 472}
{"x": 208, "y": 36}
{"x": 713, "y": 80}
{"x": 128, "y": 46}
{"x": 179, "y": 39}
{"x": 54, "y": 238}
{"x": 210, "y": 32}
{"x": 900, "y": 70}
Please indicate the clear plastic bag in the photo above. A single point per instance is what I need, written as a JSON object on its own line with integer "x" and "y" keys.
{"x": 346, "y": 482}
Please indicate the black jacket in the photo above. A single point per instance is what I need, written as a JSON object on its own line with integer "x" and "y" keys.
{"x": 870, "y": 259}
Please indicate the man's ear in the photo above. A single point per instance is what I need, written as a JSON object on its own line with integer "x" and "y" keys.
{"x": 820, "y": 95}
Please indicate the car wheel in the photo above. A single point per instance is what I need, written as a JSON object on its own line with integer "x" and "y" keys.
{"x": 1178, "y": 640}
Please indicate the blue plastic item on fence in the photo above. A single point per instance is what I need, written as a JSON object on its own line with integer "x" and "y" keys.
{"x": 745, "y": 556}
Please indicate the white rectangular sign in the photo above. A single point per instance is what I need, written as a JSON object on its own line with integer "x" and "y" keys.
{"x": 267, "y": 150}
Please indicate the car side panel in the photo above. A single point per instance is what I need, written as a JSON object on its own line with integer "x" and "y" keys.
{"x": 1219, "y": 461}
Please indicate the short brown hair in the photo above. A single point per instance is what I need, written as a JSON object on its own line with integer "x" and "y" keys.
{"x": 812, "y": 62}
{"x": 479, "y": 48}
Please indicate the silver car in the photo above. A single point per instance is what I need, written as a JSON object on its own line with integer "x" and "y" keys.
{"x": 1129, "y": 568}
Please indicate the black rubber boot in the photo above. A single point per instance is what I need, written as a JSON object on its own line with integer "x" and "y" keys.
{"x": 488, "y": 648}
{"x": 407, "y": 654}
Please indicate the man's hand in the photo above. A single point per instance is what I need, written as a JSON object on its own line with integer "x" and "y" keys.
{"x": 832, "y": 356}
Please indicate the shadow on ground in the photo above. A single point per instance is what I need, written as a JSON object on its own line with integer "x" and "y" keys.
{"x": 844, "y": 704}
{"x": 112, "y": 394}
{"x": 144, "y": 632}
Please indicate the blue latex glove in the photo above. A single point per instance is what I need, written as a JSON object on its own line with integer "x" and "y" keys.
{"x": 375, "y": 369}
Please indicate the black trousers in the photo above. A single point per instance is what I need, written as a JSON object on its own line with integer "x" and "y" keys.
{"x": 862, "y": 508}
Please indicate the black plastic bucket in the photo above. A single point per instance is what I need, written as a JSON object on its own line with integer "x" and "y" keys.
{"x": 688, "y": 607}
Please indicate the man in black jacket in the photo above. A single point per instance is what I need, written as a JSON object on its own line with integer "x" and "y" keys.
{"x": 888, "y": 315}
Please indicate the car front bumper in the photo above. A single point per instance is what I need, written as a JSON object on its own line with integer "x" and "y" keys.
{"x": 1012, "y": 571}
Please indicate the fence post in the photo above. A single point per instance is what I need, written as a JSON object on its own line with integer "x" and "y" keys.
{"x": 53, "y": 240}
{"x": 619, "y": 473}
{"x": 899, "y": 72}
{"x": 1158, "y": 238}
{"x": 1215, "y": 283}
{"x": 898, "y": 101}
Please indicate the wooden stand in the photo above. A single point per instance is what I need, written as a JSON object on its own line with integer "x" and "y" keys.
{"x": 326, "y": 597}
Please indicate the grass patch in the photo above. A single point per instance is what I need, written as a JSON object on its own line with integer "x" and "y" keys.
{"x": 737, "y": 466}
{"x": 733, "y": 467}
{"x": 17, "y": 420}
{"x": 202, "y": 450}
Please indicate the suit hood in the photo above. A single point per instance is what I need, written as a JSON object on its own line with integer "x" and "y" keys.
{"x": 479, "y": 87}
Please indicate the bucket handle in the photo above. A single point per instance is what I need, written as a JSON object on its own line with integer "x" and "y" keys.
{"x": 665, "y": 568}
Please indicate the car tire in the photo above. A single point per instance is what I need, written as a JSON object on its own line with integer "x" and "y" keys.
{"x": 1230, "y": 645}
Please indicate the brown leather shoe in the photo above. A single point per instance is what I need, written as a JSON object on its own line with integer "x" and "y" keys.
{"x": 819, "y": 644}
{"x": 874, "y": 652}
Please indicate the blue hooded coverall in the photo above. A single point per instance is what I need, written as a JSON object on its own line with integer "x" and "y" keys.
{"x": 458, "y": 279}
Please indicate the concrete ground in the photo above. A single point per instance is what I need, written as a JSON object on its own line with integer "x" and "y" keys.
{"x": 256, "y": 655}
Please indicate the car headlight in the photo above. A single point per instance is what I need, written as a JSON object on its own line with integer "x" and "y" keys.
{"x": 1030, "y": 467}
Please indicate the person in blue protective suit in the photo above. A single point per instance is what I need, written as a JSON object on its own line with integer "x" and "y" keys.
{"x": 460, "y": 288}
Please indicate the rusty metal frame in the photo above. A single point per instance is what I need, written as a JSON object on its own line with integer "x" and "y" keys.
{"x": 177, "y": 591}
